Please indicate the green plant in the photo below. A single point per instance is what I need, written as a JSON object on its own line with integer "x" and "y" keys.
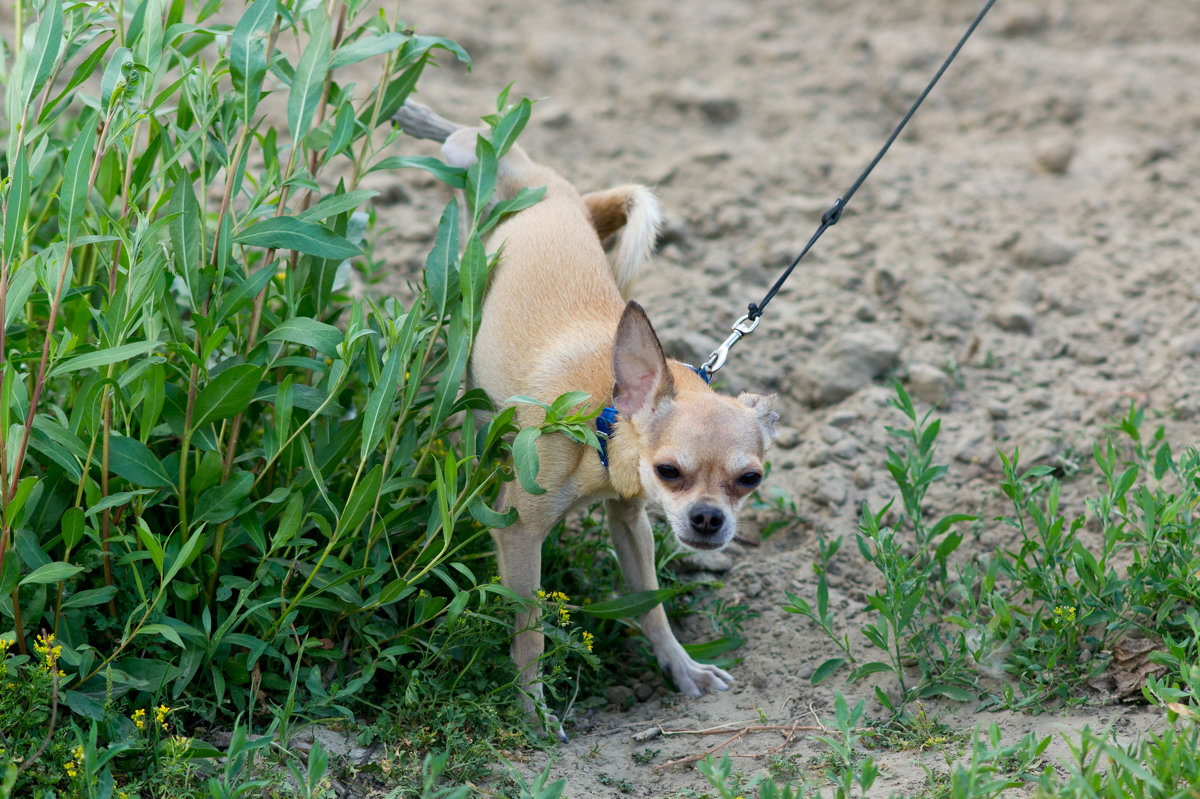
{"x": 229, "y": 485}
{"x": 919, "y": 586}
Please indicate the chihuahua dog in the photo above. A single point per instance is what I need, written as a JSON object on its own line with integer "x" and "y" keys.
{"x": 555, "y": 319}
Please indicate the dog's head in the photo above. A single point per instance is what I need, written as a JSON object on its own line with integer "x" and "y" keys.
{"x": 695, "y": 452}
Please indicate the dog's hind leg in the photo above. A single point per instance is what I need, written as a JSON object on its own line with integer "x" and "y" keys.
{"x": 634, "y": 542}
{"x": 632, "y": 210}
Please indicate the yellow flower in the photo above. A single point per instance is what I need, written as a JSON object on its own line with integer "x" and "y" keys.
{"x": 541, "y": 594}
{"x": 559, "y": 596}
{"x": 588, "y": 640}
{"x": 69, "y": 767}
{"x": 160, "y": 715}
{"x": 1065, "y": 614}
{"x": 564, "y": 617}
{"x": 139, "y": 718}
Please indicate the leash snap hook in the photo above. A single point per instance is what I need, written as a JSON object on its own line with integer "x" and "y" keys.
{"x": 742, "y": 327}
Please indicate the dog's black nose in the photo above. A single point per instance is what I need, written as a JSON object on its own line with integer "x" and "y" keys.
{"x": 707, "y": 519}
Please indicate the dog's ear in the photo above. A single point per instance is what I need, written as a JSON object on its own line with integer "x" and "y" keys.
{"x": 639, "y": 366}
{"x": 764, "y": 414}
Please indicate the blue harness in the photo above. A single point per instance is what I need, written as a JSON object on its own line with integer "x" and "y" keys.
{"x": 608, "y": 417}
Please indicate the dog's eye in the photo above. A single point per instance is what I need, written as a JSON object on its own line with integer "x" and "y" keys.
{"x": 667, "y": 472}
{"x": 749, "y": 479}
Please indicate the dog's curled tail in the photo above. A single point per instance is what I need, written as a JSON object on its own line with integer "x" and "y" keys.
{"x": 633, "y": 211}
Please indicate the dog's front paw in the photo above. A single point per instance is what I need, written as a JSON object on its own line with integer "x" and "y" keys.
{"x": 693, "y": 679}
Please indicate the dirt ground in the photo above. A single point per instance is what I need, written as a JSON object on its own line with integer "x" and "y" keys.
{"x": 1025, "y": 256}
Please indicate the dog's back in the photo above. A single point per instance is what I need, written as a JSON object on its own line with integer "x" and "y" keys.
{"x": 555, "y": 296}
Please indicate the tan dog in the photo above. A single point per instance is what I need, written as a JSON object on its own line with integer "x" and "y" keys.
{"x": 554, "y": 321}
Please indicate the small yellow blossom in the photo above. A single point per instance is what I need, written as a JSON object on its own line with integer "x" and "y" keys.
{"x": 1065, "y": 614}
{"x": 160, "y": 715}
{"x": 564, "y": 617}
{"x": 588, "y": 640}
{"x": 139, "y": 718}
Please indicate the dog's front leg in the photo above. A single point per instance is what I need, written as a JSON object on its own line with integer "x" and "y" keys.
{"x": 634, "y": 541}
{"x": 519, "y": 556}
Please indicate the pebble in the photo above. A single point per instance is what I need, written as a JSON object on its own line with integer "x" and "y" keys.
{"x": 714, "y": 105}
{"x": 885, "y": 285}
{"x": 928, "y": 383}
{"x": 1037, "y": 248}
{"x": 846, "y": 364}
{"x": 972, "y": 445}
{"x": 1132, "y": 330}
{"x": 1022, "y": 20}
{"x": 997, "y": 409}
{"x": 827, "y": 487}
{"x": 1014, "y": 316}
{"x": 818, "y": 456}
{"x": 845, "y": 449}
{"x": 934, "y": 302}
{"x": 830, "y": 434}
{"x": 786, "y": 437}
{"x": 1186, "y": 346}
{"x": 865, "y": 312}
{"x": 1054, "y": 155}
{"x": 619, "y": 695}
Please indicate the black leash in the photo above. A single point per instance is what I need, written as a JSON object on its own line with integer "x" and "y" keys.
{"x": 749, "y": 321}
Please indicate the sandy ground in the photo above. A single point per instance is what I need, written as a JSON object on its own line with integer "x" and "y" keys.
{"x": 1025, "y": 255}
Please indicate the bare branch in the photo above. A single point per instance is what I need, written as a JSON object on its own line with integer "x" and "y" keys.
{"x": 419, "y": 120}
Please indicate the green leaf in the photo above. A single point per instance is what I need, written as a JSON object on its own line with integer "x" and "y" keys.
{"x": 338, "y": 203}
{"x": 92, "y": 360}
{"x": 72, "y": 197}
{"x": 226, "y": 394}
{"x": 489, "y": 518}
{"x": 950, "y": 692}
{"x": 523, "y": 199}
{"x": 162, "y": 630}
{"x": 867, "y": 669}
{"x": 379, "y": 404}
{"x": 453, "y": 176}
{"x": 51, "y": 573}
{"x": 248, "y": 55}
{"x": 223, "y": 501}
{"x": 90, "y": 597}
{"x": 187, "y": 238}
{"x": 632, "y": 605}
{"x": 133, "y": 460}
{"x": 309, "y": 79}
{"x": 47, "y": 44}
{"x": 116, "y": 500}
{"x": 710, "y": 650}
{"x": 473, "y": 276}
{"x": 826, "y": 670}
{"x": 361, "y": 500}
{"x": 458, "y": 349}
{"x": 241, "y": 296}
{"x": 20, "y": 286}
{"x": 150, "y": 542}
{"x": 441, "y": 265}
{"x": 16, "y": 209}
{"x": 308, "y": 332}
{"x": 72, "y": 527}
{"x": 114, "y": 76}
{"x": 291, "y": 233}
{"x": 366, "y": 47}
{"x": 525, "y": 459}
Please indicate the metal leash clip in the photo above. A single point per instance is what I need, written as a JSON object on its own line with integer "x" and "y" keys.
{"x": 741, "y": 327}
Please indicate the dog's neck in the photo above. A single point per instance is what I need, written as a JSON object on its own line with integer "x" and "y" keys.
{"x": 624, "y": 446}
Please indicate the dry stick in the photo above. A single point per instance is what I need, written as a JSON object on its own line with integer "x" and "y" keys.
{"x": 790, "y": 729}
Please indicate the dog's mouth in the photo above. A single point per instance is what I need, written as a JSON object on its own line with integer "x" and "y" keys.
{"x": 706, "y": 544}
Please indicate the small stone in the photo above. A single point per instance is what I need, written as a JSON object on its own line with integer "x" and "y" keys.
{"x": 1054, "y": 155}
{"x": 759, "y": 681}
{"x": 1132, "y": 330}
{"x": 934, "y": 302}
{"x": 864, "y": 312}
{"x": 928, "y": 383}
{"x": 997, "y": 409}
{"x": 786, "y": 437}
{"x": 1022, "y": 20}
{"x": 827, "y": 487}
{"x": 885, "y": 285}
{"x": 830, "y": 434}
{"x": 972, "y": 445}
{"x": 1088, "y": 355}
{"x": 818, "y": 456}
{"x": 1041, "y": 249}
{"x": 545, "y": 54}
{"x": 709, "y": 560}
{"x": 842, "y": 418}
{"x": 619, "y": 695}
{"x": 863, "y": 476}
{"x": 1186, "y": 346}
{"x": 846, "y": 364}
{"x": 1015, "y": 317}
{"x": 845, "y": 449}
{"x": 714, "y": 105}
{"x": 642, "y": 691}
